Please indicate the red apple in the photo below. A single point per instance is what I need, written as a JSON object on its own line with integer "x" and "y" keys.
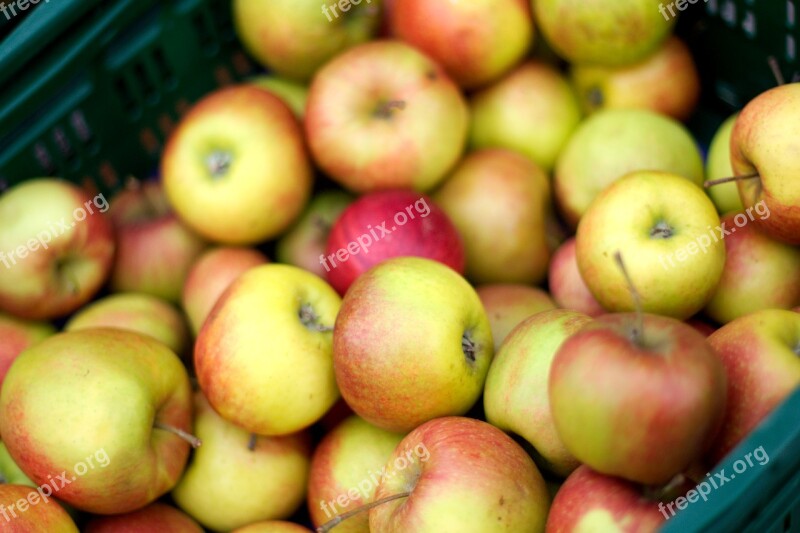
{"x": 566, "y": 284}
{"x": 155, "y": 518}
{"x": 508, "y": 304}
{"x": 15, "y": 336}
{"x": 26, "y": 510}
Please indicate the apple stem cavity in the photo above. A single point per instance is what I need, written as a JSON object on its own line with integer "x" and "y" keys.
{"x": 662, "y": 230}
{"x": 251, "y": 444}
{"x": 468, "y": 347}
{"x": 219, "y": 162}
{"x": 188, "y": 437}
{"x": 720, "y": 181}
{"x": 595, "y": 97}
{"x": 327, "y": 526}
{"x": 309, "y": 319}
{"x": 638, "y": 331}
{"x": 386, "y": 109}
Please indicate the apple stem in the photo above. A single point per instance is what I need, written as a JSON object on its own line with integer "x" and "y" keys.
{"x": 251, "y": 444}
{"x": 327, "y": 526}
{"x": 720, "y": 181}
{"x": 309, "y": 319}
{"x": 385, "y": 110}
{"x": 218, "y": 163}
{"x": 776, "y": 70}
{"x": 637, "y": 301}
{"x": 188, "y": 437}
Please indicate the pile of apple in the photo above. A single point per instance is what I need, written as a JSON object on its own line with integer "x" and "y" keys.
{"x": 418, "y": 171}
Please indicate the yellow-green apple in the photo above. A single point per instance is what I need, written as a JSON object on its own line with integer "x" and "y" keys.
{"x": 232, "y": 481}
{"x": 476, "y": 42}
{"x": 104, "y": 408}
{"x": 154, "y": 248}
{"x": 274, "y": 526}
{"x": 761, "y": 354}
{"x": 665, "y": 81}
{"x": 412, "y": 342}
{"x": 25, "y": 510}
{"x": 637, "y": 396}
{"x": 718, "y": 165}
{"x": 56, "y": 248}
{"x": 508, "y": 304}
{"x": 760, "y": 272}
{"x": 10, "y": 472}
{"x": 615, "y": 142}
{"x": 293, "y": 94}
{"x": 566, "y": 284}
{"x": 155, "y": 518}
{"x": 16, "y": 335}
{"x": 374, "y": 119}
{"x": 532, "y": 110}
{"x": 504, "y": 232}
{"x": 294, "y": 38}
{"x": 663, "y": 224}
{"x": 762, "y": 142}
{"x": 515, "y": 396}
{"x": 303, "y": 244}
{"x": 263, "y": 356}
{"x": 141, "y": 313}
{"x": 385, "y": 224}
{"x": 602, "y": 32}
{"x": 210, "y": 275}
{"x": 236, "y": 168}
{"x": 345, "y": 471}
{"x": 589, "y": 501}
{"x": 474, "y": 478}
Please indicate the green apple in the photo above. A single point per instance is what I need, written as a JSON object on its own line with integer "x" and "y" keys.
{"x": 412, "y": 342}
{"x": 615, "y": 142}
{"x": 263, "y": 356}
{"x": 232, "y": 481}
{"x": 532, "y": 110}
{"x": 155, "y": 518}
{"x": 508, "y": 304}
{"x": 293, "y": 94}
{"x": 16, "y": 335}
{"x": 25, "y": 510}
{"x": 718, "y": 165}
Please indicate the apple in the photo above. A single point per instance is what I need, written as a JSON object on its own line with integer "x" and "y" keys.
{"x": 236, "y": 479}
{"x": 760, "y": 273}
{"x": 374, "y": 119}
{"x": 718, "y": 165}
{"x": 263, "y": 356}
{"x": 603, "y": 32}
{"x": 473, "y": 478}
{"x": 210, "y": 275}
{"x": 509, "y": 304}
{"x": 155, "y": 518}
{"x": 615, "y": 142}
{"x": 386, "y": 224}
{"x": 412, "y": 342}
{"x": 56, "y": 248}
{"x": 476, "y": 42}
{"x": 273, "y": 526}
{"x": 25, "y": 510}
{"x": 567, "y": 287}
{"x": 345, "y": 471}
{"x": 532, "y": 110}
{"x": 666, "y": 82}
{"x": 96, "y": 415}
{"x": 293, "y": 94}
{"x": 294, "y": 38}
{"x": 589, "y": 501}
{"x": 515, "y": 396}
{"x": 304, "y": 242}
{"x": 638, "y": 396}
{"x": 762, "y": 143}
{"x": 16, "y": 335}
{"x": 760, "y": 353}
{"x": 499, "y": 202}
{"x": 236, "y": 168}
{"x": 140, "y": 313}
{"x": 663, "y": 224}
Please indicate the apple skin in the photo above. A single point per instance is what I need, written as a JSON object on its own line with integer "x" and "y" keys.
{"x": 16, "y": 335}
{"x": 760, "y": 353}
{"x": 589, "y": 501}
{"x": 261, "y": 363}
{"x": 226, "y": 485}
{"x": 236, "y": 169}
{"x": 46, "y": 516}
{"x": 155, "y": 518}
{"x": 760, "y": 273}
{"x": 295, "y": 38}
{"x": 567, "y": 287}
{"x": 274, "y": 526}
{"x": 515, "y": 396}
{"x": 641, "y": 411}
{"x": 134, "y": 381}
{"x": 427, "y": 232}
{"x": 476, "y": 42}
{"x": 653, "y": 219}
{"x": 615, "y": 142}
{"x": 52, "y": 282}
{"x": 294, "y": 95}
{"x": 666, "y": 82}
{"x": 604, "y": 32}
{"x": 718, "y": 165}
{"x": 210, "y": 275}
{"x": 140, "y": 313}
{"x": 374, "y": 114}
{"x": 517, "y": 210}
{"x": 475, "y": 478}
{"x": 412, "y": 342}
{"x": 10, "y": 472}
{"x": 348, "y": 458}
{"x": 507, "y": 305}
